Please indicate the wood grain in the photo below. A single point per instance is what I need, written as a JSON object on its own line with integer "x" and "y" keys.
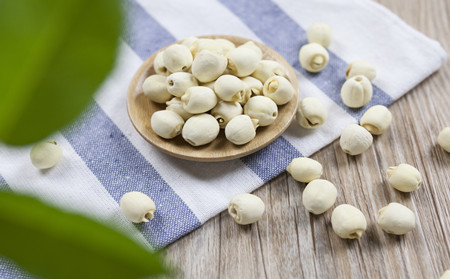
{"x": 290, "y": 243}
{"x": 140, "y": 110}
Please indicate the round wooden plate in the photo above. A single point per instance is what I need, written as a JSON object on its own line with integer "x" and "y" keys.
{"x": 140, "y": 110}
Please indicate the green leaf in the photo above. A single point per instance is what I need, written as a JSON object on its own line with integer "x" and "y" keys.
{"x": 54, "y": 244}
{"x": 53, "y": 56}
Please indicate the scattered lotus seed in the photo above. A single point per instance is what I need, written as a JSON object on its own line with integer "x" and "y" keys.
{"x": 311, "y": 113}
{"x": 319, "y": 196}
{"x": 313, "y": 57}
{"x": 320, "y": 33}
{"x": 396, "y": 219}
{"x": 404, "y": 178}
{"x": 348, "y": 221}
{"x": 137, "y": 207}
{"x": 45, "y": 155}
{"x": 305, "y": 169}
{"x": 246, "y": 209}
{"x": 360, "y": 68}
{"x": 376, "y": 119}
{"x": 355, "y": 139}
{"x": 444, "y": 139}
{"x": 357, "y": 91}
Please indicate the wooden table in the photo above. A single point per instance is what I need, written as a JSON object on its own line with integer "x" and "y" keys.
{"x": 291, "y": 243}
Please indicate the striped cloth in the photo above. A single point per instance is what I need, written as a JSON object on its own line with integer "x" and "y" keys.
{"x": 104, "y": 156}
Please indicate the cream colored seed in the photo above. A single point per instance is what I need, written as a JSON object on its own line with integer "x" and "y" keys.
{"x": 305, "y": 169}
{"x": 198, "y": 99}
{"x": 361, "y": 68}
{"x": 396, "y": 219}
{"x": 311, "y": 113}
{"x": 137, "y": 207}
{"x": 243, "y": 60}
{"x": 45, "y": 155}
{"x": 279, "y": 89}
{"x": 404, "y": 178}
{"x": 229, "y": 88}
{"x": 313, "y": 57}
{"x": 208, "y": 66}
{"x": 348, "y": 221}
{"x": 178, "y": 83}
{"x": 246, "y": 209}
{"x": 166, "y": 124}
{"x": 253, "y": 47}
{"x": 200, "y": 129}
{"x": 176, "y": 105}
{"x": 225, "y": 111}
{"x": 225, "y": 45}
{"x": 261, "y": 108}
{"x": 445, "y": 275}
{"x": 444, "y": 139}
{"x": 355, "y": 139}
{"x": 254, "y": 85}
{"x": 376, "y": 119}
{"x": 159, "y": 66}
{"x": 241, "y": 129}
{"x": 319, "y": 196}
{"x": 267, "y": 69}
{"x": 177, "y": 58}
{"x": 356, "y": 91}
{"x": 155, "y": 89}
{"x": 320, "y": 33}
{"x": 187, "y": 42}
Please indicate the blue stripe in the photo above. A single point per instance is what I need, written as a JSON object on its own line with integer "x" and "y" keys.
{"x": 272, "y": 160}
{"x": 8, "y": 269}
{"x": 280, "y": 32}
{"x": 144, "y": 34}
{"x": 121, "y": 168}
{"x": 3, "y": 185}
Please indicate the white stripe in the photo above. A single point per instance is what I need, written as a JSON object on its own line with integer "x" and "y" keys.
{"x": 196, "y": 17}
{"x": 206, "y": 188}
{"x": 70, "y": 185}
{"x": 364, "y": 30}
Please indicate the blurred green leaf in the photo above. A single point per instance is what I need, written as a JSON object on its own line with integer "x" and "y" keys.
{"x": 54, "y": 244}
{"x": 53, "y": 56}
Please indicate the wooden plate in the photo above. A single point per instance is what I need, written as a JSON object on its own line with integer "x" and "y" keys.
{"x": 140, "y": 110}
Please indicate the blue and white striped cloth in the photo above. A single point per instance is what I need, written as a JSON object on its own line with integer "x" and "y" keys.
{"x": 104, "y": 156}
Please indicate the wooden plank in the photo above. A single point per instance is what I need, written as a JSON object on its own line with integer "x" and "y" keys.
{"x": 291, "y": 243}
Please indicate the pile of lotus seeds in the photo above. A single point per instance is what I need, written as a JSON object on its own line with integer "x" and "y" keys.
{"x": 208, "y": 84}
